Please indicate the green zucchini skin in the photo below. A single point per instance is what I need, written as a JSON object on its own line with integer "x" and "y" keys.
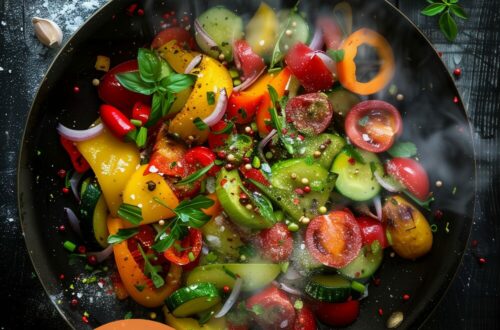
{"x": 365, "y": 264}
{"x": 193, "y": 299}
{"x": 328, "y": 288}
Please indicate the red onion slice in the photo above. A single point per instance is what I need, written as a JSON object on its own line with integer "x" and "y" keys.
{"x": 317, "y": 41}
{"x": 80, "y": 135}
{"x": 287, "y": 289}
{"x": 74, "y": 181}
{"x": 204, "y": 35}
{"x": 390, "y": 184}
{"x": 364, "y": 209}
{"x": 102, "y": 255}
{"x": 329, "y": 62}
{"x": 219, "y": 111}
{"x": 193, "y": 64}
{"x": 74, "y": 222}
{"x": 236, "y": 58}
{"x": 231, "y": 300}
{"x": 249, "y": 81}
{"x": 377, "y": 202}
{"x": 263, "y": 143}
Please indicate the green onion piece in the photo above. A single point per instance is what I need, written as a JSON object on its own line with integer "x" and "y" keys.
{"x": 200, "y": 124}
{"x": 210, "y": 98}
{"x": 256, "y": 162}
{"x": 141, "y": 137}
{"x": 434, "y": 228}
{"x": 293, "y": 227}
{"x": 191, "y": 256}
{"x": 70, "y": 246}
{"x": 299, "y": 304}
{"x": 356, "y": 286}
{"x": 230, "y": 273}
{"x": 136, "y": 122}
{"x": 226, "y": 130}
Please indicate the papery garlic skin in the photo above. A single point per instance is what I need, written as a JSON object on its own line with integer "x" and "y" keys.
{"x": 48, "y": 32}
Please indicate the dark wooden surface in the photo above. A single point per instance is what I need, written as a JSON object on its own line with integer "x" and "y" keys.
{"x": 473, "y": 301}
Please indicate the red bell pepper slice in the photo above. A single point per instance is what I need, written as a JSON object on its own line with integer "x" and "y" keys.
{"x": 80, "y": 164}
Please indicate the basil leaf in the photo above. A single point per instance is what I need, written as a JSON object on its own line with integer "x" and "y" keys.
{"x": 149, "y": 65}
{"x": 199, "y": 202}
{"x": 168, "y": 100}
{"x": 177, "y": 82}
{"x": 133, "y": 82}
{"x": 200, "y": 124}
{"x": 130, "y": 213}
{"x": 433, "y": 9}
{"x": 165, "y": 70}
{"x": 122, "y": 235}
{"x": 448, "y": 26}
{"x": 196, "y": 175}
{"x": 403, "y": 149}
{"x": 459, "y": 11}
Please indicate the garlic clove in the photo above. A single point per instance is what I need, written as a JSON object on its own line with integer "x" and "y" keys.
{"x": 48, "y": 32}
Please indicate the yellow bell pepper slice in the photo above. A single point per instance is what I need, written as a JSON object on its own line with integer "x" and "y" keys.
{"x": 137, "y": 193}
{"x": 187, "y": 323}
{"x": 212, "y": 77}
{"x": 262, "y": 30}
{"x": 133, "y": 276}
{"x": 113, "y": 162}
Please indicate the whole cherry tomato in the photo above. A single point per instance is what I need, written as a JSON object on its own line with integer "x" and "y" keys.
{"x": 276, "y": 243}
{"x": 411, "y": 174}
{"x": 372, "y": 230}
{"x": 273, "y": 309}
{"x": 337, "y": 314}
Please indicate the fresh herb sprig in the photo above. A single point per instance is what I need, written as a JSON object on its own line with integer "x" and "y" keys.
{"x": 122, "y": 235}
{"x": 187, "y": 214}
{"x": 448, "y": 10}
{"x": 155, "y": 77}
{"x": 277, "y": 54}
{"x": 150, "y": 270}
{"x": 263, "y": 204}
{"x": 278, "y": 121}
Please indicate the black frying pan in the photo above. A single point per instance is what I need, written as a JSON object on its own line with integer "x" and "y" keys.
{"x": 432, "y": 120}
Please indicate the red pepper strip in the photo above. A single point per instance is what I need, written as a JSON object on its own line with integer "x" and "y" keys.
{"x": 191, "y": 244}
{"x": 116, "y": 121}
{"x": 141, "y": 112}
{"x": 80, "y": 164}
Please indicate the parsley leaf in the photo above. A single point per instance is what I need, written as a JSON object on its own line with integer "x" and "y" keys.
{"x": 403, "y": 149}
{"x": 122, "y": 235}
{"x": 150, "y": 270}
{"x": 130, "y": 213}
{"x": 196, "y": 175}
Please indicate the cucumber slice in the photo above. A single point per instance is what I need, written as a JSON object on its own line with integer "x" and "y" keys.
{"x": 228, "y": 189}
{"x": 298, "y": 27}
{"x": 355, "y": 180}
{"x": 193, "y": 299}
{"x": 99, "y": 224}
{"x": 288, "y": 175}
{"x": 329, "y": 288}
{"x": 342, "y": 101}
{"x": 365, "y": 264}
{"x": 224, "y": 27}
{"x": 332, "y": 145}
{"x": 254, "y": 276}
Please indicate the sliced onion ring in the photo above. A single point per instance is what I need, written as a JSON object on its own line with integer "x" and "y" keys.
{"x": 74, "y": 181}
{"x": 219, "y": 111}
{"x": 377, "y": 202}
{"x": 204, "y": 35}
{"x": 388, "y": 183}
{"x": 231, "y": 300}
{"x": 249, "y": 81}
{"x": 74, "y": 222}
{"x": 193, "y": 64}
{"x": 79, "y": 135}
{"x": 263, "y": 143}
{"x": 317, "y": 41}
{"x": 102, "y": 255}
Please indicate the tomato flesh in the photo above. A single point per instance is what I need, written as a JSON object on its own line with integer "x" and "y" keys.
{"x": 246, "y": 60}
{"x": 372, "y": 230}
{"x": 242, "y": 106}
{"x": 373, "y": 125}
{"x": 276, "y": 243}
{"x": 216, "y": 141}
{"x": 184, "y": 38}
{"x": 411, "y": 174}
{"x": 334, "y": 239}
{"x": 275, "y": 309}
{"x": 190, "y": 245}
{"x": 337, "y": 314}
{"x": 305, "y": 319}
{"x": 310, "y": 113}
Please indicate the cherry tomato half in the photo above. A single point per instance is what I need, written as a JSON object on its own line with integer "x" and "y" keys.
{"x": 276, "y": 243}
{"x": 309, "y": 69}
{"x": 179, "y": 34}
{"x": 305, "y": 319}
{"x": 190, "y": 248}
{"x": 411, "y": 174}
{"x": 334, "y": 239}
{"x": 275, "y": 307}
{"x": 337, "y": 314}
{"x": 373, "y": 125}
{"x": 216, "y": 141}
{"x": 246, "y": 60}
{"x": 203, "y": 157}
{"x": 167, "y": 155}
{"x": 310, "y": 113}
{"x": 372, "y": 230}
{"x": 113, "y": 93}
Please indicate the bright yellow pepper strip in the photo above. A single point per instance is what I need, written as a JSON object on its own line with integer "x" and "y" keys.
{"x": 113, "y": 162}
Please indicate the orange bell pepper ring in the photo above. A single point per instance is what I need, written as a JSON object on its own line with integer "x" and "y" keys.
{"x": 346, "y": 69}
{"x": 132, "y": 274}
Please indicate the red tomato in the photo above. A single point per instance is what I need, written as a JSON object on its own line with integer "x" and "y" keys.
{"x": 337, "y": 314}
{"x": 231, "y": 326}
{"x": 373, "y": 125}
{"x": 167, "y": 155}
{"x": 309, "y": 69}
{"x": 276, "y": 243}
{"x": 275, "y": 310}
{"x": 305, "y": 319}
{"x": 112, "y": 92}
{"x": 217, "y": 140}
{"x": 201, "y": 156}
{"x": 246, "y": 60}
{"x": 141, "y": 112}
{"x": 372, "y": 230}
{"x": 190, "y": 245}
{"x": 310, "y": 113}
{"x": 146, "y": 236}
{"x": 411, "y": 174}
{"x": 334, "y": 239}
{"x": 242, "y": 106}
{"x": 332, "y": 34}
{"x": 183, "y": 38}
{"x": 254, "y": 174}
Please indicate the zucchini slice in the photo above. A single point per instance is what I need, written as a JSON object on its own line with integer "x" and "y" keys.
{"x": 329, "y": 288}
{"x": 193, "y": 299}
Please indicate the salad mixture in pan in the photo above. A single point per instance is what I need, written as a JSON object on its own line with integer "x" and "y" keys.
{"x": 244, "y": 175}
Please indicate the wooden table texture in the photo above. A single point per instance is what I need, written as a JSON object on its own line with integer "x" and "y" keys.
{"x": 473, "y": 300}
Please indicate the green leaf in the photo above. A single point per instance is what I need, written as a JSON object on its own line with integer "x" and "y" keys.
{"x": 167, "y": 102}
{"x": 165, "y": 70}
{"x": 452, "y": 1}
{"x": 133, "y": 82}
{"x": 459, "y": 12}
{"x": 177, "y": 82}
{"x": 122, "y": 235}
{"x": 149, "y": 65}
{"x": 142, "y": 137}
{"x": 262, "y": 203}
{"x": 166, "y": 241}
{"x": 130, "y": 213}
{"x": 226, "y": 130}
{"x": 278, "y": 121}
{"x": 150, "y": 270}
{"x": 194, "y": 218}
{"x": 199, "y": 202}
{"x": 448, "y": 26}
{"x": 196, "y": 175}
{"x": 336, "y": 55}
{"x": 425, "y": 204}
{"x": 403, "y": 149}
{"x": 433, "y": 9}
{"x": 200, "y": 124}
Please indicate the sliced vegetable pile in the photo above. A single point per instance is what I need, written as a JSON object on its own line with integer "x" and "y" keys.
{"x": 232, "y": 172}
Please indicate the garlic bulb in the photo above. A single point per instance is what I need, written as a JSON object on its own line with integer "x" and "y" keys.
{"x": 48, "y": 32}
